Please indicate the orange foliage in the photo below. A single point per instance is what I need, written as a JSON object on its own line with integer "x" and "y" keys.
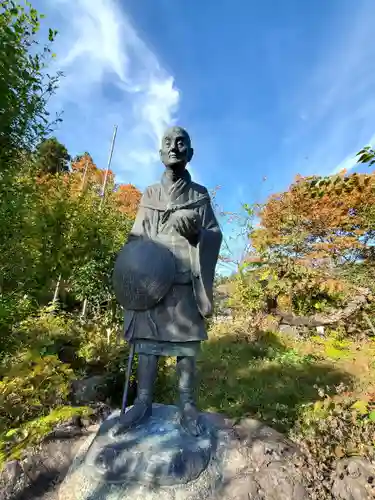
{"x": 127, "y": 197}
{"x": 86, "y": 175}
{"x": 318, "y": 217}
{"x": 94, "y": 176}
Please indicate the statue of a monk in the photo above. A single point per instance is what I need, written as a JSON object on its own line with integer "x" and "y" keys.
{"x": 178, "y": 213}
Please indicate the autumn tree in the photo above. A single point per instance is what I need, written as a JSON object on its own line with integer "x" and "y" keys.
{"x": 88, "y": 175}
{"x": 321, "y": 219}
{"x": 309, "y": 240}
{"x": 127, "y": 199}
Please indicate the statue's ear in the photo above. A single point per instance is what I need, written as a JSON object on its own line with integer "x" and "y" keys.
{"x": 190, "y": 155}
{"x": 161, "y": 154}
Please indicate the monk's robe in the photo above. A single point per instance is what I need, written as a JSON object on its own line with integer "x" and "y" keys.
{"x": 175, "y": 326}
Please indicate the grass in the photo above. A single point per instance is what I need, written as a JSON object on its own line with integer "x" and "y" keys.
{"x": 273, "y": 377}
{"x": 262, "y": 379}
{"x": 303, "y": 387}
{"x": 356, "y": 357}
{"x": 319, "y": 391}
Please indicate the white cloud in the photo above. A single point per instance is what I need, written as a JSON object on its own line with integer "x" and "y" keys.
{"x": 351, "y": 161}
{"x": 111, "y": 77}
{"x": 336, "y": 101}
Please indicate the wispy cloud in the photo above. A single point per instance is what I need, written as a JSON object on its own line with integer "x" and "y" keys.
{"x": 336, "y": 101}
{"x": 351, "y": 161}
{"x": 111, "y": 77}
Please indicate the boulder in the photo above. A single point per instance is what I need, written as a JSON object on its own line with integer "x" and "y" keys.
{"x": 11, "y": 479}
{"x": 40, "y": 470}
{"x": 157, "y": 459}
{"x": 354, "y": 479}
{"x": 229, "y": 461}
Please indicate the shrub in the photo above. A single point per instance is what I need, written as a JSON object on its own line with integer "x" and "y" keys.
{"x": 33, "y": 386}
{"x": 336, "y": 427}
{"x": 15, "y": 441}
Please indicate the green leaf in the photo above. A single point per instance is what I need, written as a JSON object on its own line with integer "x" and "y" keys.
{"x": 361, "y": 407}
{"x": 364, "y": 150}
{"x": 372, "y": 416}
{"x": 365, "y": 158}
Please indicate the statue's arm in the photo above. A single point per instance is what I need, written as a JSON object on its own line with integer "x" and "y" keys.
{"x": 142, "y": 224}
{"x": 210, "y": 227}
{"x": 206, "y": 255}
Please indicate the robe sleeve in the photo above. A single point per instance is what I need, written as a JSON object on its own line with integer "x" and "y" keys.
{"x": 142, "y": 227}
{"x": 205, "y": 256}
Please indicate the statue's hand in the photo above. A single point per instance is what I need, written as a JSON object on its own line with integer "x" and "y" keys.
{"x": 188, "y": 224}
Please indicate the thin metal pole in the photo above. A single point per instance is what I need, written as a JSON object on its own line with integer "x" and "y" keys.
{"x": 84, "y": 308}
{"x": 108, "y": 165}
{"x": 83, "y": 313}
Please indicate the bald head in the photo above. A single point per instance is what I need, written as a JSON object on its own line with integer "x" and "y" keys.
{"x": 177, "y": 131}
{"x": 176, "y": 150}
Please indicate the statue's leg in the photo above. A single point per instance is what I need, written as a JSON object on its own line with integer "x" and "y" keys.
{"x": 186, "y": 372}
{"x": 146, "y": 374}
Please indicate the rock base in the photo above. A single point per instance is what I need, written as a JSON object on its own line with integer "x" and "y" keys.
{"x": 158, "y": 460}
{"x": 157, "y": 452}
{"x": 247, "y": 461}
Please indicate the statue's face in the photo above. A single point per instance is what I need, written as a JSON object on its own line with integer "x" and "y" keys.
{"x": 176, "y": 150}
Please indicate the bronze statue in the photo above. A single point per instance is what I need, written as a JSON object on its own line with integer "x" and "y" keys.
{"x": 175, "y": 214}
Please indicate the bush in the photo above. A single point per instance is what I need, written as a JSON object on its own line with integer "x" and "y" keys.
{"x": 13, "y": 309}
{"x": 338, "y": 427}
{"x": 32, "y": 387}
{"x": 334, "y": 428}
{"x": 246, "y": 293}
{"x": 102, "y": 353}
{"x": 14, "y": 442}
{"x": 286, "y": 285}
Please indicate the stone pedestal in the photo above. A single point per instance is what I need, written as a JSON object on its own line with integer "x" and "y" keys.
{"x": 158, "y": 452}
{"x": 159, "y": 460}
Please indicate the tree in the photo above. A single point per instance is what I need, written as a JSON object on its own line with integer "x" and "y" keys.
{"x": 25, "y": 88}
{"x": 24, "y": 85}
{"x": 88, "y": 175}
{"x": 367, "y": 155}
{"x": 127, "y": 198}
{"x": 319, "y": 219}
{"x": 52, "y": 157}
{"x": 308, "y": 242}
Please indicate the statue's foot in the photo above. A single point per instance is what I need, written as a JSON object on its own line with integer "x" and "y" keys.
{"x": 137, "y": 413}
{"x": 190, "y": 419}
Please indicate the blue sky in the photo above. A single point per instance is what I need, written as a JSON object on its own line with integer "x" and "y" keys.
{"x": 267, "y": 89}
